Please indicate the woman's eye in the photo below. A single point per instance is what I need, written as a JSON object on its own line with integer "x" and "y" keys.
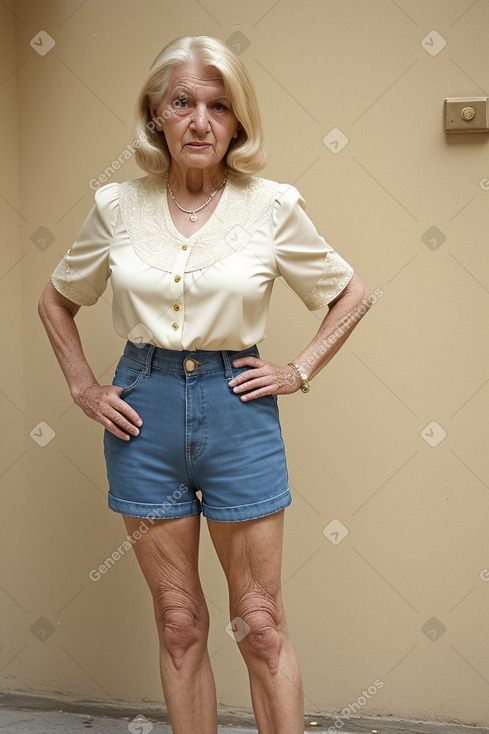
{"x": 180, "y": 102}
{"x": 220, "y": 107}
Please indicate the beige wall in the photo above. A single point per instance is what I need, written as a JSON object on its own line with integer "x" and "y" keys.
{"x": 416, "y": 514}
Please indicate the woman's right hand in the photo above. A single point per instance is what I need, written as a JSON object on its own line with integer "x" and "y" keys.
{"x": 103, "y": 404}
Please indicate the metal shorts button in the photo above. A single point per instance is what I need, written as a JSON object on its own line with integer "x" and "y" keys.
{"x": 190, "y": 365}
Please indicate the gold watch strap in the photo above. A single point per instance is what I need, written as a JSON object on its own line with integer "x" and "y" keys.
{"x": 306, "y": 385}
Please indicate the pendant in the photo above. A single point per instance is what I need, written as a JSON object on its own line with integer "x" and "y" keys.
{"x": 193, "y": 217}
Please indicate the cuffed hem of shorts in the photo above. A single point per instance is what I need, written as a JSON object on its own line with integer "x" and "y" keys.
{"x": 154, "y": 511}
{"x": 253, "y": 511}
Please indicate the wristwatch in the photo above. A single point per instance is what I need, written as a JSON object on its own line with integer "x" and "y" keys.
{"x": 306, "y": 385}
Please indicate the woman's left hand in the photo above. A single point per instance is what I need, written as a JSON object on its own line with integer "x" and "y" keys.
{"x": 264, "y": 378}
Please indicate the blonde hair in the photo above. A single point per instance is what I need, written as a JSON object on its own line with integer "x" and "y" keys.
{"x": 246, "y": 154}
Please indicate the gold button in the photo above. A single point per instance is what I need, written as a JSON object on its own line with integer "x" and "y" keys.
{"x": 177, "y": 278}
{"x": 190, "y": 365}
{"x": 174, "y": 326}
{"x": 184, "y": 247}
{"x": 176, "y": 307}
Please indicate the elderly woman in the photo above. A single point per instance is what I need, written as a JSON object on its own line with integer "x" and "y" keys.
{"x": 191, "y": 420}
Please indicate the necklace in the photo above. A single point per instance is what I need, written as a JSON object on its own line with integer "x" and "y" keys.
{"x": 193, "y": 212}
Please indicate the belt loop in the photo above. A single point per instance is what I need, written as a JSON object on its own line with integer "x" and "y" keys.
{"x": 228, "y": 370}
{"x": 149, "y": 358}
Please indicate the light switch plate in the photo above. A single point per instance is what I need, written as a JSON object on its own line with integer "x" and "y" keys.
{"x": 466, "y": 115}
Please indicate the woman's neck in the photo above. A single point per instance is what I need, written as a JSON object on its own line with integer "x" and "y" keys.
{"x": 195, "y": 180}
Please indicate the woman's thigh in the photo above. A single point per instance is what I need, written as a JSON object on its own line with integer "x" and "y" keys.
{"x": 250, "y": 553}
{"x": 167, "y": 553}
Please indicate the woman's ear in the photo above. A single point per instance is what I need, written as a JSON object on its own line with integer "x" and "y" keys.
{"x": 156, "y": 120}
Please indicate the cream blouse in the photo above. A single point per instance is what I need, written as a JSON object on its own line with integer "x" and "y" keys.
{"x": 208, "y": 291}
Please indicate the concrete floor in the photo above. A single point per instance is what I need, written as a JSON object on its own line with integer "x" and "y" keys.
{"x": 46, "y": 722}
{"x": 35, "y": 715}
{"x": 15, "y": 721}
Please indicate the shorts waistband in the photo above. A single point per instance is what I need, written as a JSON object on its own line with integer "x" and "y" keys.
{"x": 202, "y": 361}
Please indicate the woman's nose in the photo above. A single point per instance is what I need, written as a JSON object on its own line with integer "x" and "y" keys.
{"x": 200, "y": 119}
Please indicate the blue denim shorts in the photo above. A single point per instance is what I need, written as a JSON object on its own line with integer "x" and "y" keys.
{"x": 197, "y": 437}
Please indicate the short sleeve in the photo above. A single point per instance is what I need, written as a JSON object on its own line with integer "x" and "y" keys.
{"x": 307, "y": 263}
{"x": 83, "y": 273}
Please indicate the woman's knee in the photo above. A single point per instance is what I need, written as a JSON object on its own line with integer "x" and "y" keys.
{"x": 261, "y": 626}
{"x": 183, "y": 623}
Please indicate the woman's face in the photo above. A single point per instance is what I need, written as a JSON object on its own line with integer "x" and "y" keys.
{"x": 196, "y": 116}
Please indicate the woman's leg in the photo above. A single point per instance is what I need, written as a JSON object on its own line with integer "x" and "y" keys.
{"x": 168, "y": 555}
{"x": 250, "y": 553}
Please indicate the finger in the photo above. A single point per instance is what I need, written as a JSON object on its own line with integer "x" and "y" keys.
{"x": 248, "y": 362}
{"x": 128, "y": 412}
{"x": 120, "y": 421}
{"x": 112, "y": 428}
{"x": 120, "y": 405}
{"x": 251, "y": 382}
{"x": 271, "y": 382}
{"x": 259, "y": 393}
{"x": 110, "y": 425}
{"x": 251, "y": 374}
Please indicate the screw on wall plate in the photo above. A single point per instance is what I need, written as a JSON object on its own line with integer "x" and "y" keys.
{"x": 467, "y": 115}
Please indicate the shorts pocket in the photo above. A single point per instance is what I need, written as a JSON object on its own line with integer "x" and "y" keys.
{"x": 127, "y": 378}
{"x": 250, "y": 352}
{"x": 235, "y": 371}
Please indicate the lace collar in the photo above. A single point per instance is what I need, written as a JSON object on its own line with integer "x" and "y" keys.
{"x": 243, "y": 207}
